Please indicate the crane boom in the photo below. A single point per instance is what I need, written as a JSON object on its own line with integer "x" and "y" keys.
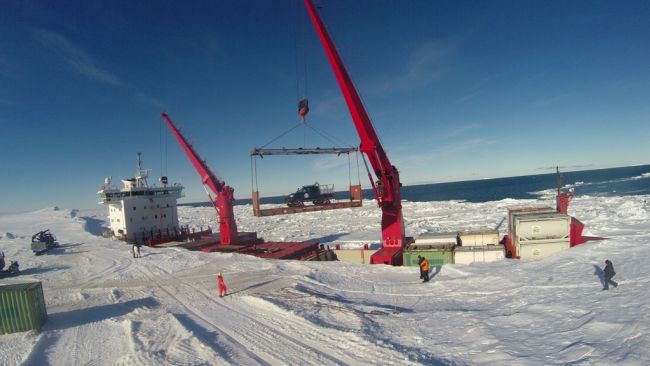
{"x": 224, "y": 193}
{"x": 387, "y": 186}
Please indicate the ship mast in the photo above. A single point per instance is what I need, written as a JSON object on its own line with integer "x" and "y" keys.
{"x": 141, "y": 175}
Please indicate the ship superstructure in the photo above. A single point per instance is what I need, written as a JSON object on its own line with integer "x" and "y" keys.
{"x": 137, "y": 210}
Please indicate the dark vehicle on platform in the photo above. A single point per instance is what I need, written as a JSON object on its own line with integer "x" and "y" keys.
{"x": 318, "y": 194}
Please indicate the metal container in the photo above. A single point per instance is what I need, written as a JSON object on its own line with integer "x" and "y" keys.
{"x": 522, "y": 211}
{"x": 478, "y": 238}
{"x": 541, "y": 250}
{"x": 538, "y": 235}
{"x": 450, "y": 238}
{"x": 437, "y": 255}
{"x": 541, "y": 226}
{"x": 358, "y": 256}
{"x": 22, "y": 307}
{"x": 494, "y": 253}
{"x": 471, "y": 254}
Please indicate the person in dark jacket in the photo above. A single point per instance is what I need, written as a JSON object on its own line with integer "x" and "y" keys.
{"x": 609, "y": 274}
{"x": 420, "y": 259}
{"x": 135, "y": 248}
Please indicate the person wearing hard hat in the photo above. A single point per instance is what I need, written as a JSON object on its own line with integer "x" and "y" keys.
{"x": 222, "y": 285}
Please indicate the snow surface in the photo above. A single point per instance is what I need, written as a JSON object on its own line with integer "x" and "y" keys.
{"x": 106, "y": 308}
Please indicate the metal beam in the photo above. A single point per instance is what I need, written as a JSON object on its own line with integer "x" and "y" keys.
{"x": 304, "y": 151}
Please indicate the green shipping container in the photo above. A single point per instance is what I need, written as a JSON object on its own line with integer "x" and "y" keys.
{"x": 436, "y": 256}
{"x": 22, "y": 307}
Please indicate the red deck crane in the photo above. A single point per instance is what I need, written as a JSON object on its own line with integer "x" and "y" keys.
{"x": 225, "y": 194}
{"x": 386, "y": 185}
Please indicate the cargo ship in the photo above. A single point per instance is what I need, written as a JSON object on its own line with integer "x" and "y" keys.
{"x": 137, "y": 211}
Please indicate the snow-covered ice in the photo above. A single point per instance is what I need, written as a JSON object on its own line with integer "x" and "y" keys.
{"x": 106, "y": 308}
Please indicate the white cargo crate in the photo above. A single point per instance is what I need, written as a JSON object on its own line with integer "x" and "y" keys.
{"x": 541, "y": 250}
{"x": 358, "y": 256}
{"x": 537, "y": 227}
{"x": 437, "y": 239}
{"x": 471, "y": 254}
{"x": 523, "y": 211}
{"x": 478, "y": 238}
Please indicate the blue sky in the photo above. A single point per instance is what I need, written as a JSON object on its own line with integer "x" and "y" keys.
{"x": 457, "y": 90}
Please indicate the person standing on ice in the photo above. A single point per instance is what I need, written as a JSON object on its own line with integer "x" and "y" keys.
{"x": 424, "y": 267}
{"x": 135, "y": 248}
{"x": 420, "y": 259}
{"x": 222, "y": 285}
{"x": 609, "y": 274}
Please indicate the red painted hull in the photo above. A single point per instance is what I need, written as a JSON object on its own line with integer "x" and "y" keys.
{"x": 388, "y": 255}
{"x": 281, "y": 250}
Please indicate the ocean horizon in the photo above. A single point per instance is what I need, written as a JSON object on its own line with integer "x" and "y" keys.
{"x": 620, "y": 181}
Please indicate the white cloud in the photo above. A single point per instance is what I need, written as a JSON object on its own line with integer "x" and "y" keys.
{"x": 553, "y": 99}
{"x": 442, "y": 136}
{"x": 423, "y": 66}
{"x": 76, "y": 58}
{"x": 443, "y": 151}
{"x": 148, "y": 99}
{"x": 478, "y": 88}
{"x": 329, "y": 162}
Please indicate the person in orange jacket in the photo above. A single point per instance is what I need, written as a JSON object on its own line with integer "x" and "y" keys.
{"x": 222, "y": 286}
{"x": 424, "y": 268}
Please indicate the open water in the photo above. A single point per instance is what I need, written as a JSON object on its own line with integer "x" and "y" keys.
{"x": 633, "y": 180}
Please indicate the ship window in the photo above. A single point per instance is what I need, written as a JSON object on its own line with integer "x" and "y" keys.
{"x": 118, "y": 220}
{"x": 168, "y": 205}
{"x": 156, "y": 216}
{"x": 157, "y": 206}
{"x": 133, "y": 208}
{"x": 131, "y": 219}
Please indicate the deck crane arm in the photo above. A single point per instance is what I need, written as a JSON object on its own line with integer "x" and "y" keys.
{"x": 224, "y": 193}
{"x": 387, "y": 184}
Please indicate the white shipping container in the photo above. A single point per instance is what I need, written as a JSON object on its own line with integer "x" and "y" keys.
{"x": 541, "y": 250}
{"x": 495, "y": 253}
{"x": 358, "y": 256}
{"x": 438, "y": 238}
{"x": 534, "y": 227}
{"x": 478, "y": 238}
{"x": 471, "y": 254}
{"x": 523, "y": 211}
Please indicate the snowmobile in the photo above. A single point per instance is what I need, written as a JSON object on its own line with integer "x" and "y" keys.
{"x": 11, "y": 270}
{"x": 43, "y": 241}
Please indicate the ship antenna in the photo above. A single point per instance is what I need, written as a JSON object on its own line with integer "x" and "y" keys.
{"x": 138, "y": 172}
{"x": 140, "y": 175}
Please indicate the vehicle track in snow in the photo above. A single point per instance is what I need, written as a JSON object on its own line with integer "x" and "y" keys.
{"x": 232, "y": 341}
{"x": 274, "y": 326}
{"x": 116, "y": 266}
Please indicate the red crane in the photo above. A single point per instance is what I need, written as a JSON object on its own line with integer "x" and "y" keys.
{"x": 224, "y": 193}
{"x": 386, "y": 185}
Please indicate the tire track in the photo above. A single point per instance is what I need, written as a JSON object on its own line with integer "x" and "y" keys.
{"x": 231, "y": 338}
{"x": 312, "y": 343}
